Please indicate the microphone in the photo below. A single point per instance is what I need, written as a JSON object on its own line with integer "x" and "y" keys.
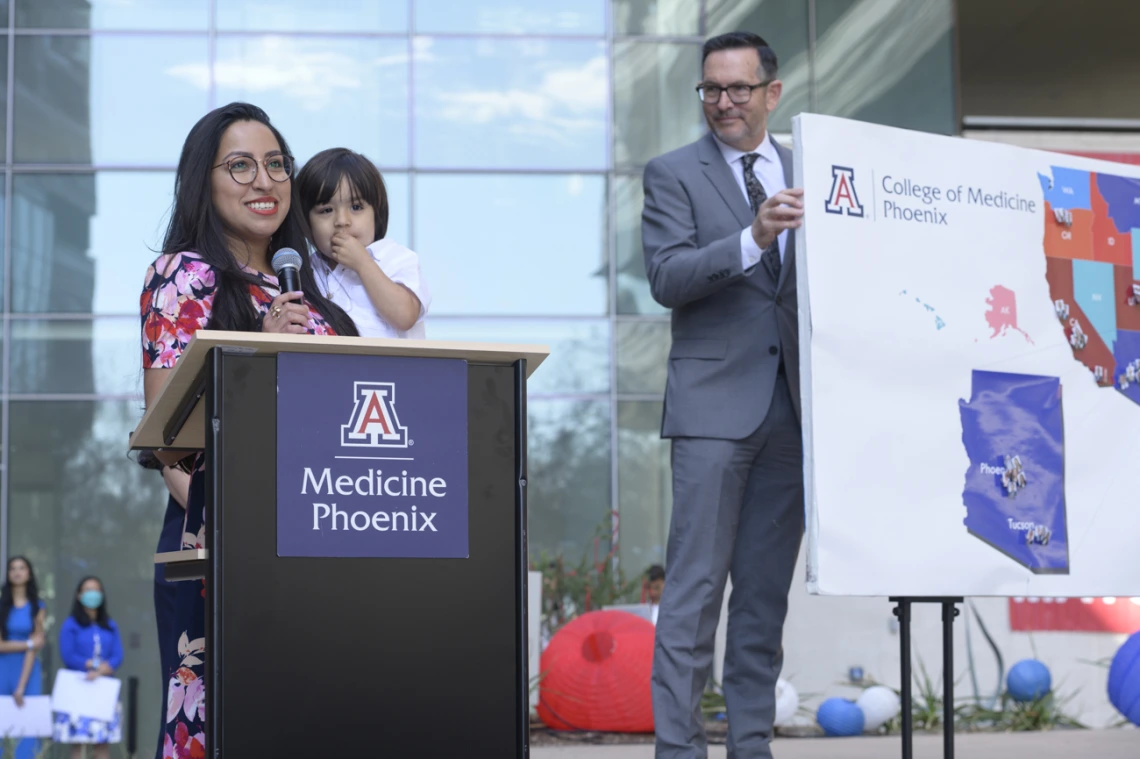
{"x": 286, "y": 265}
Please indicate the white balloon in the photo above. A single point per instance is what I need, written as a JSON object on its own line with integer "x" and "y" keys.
{"x": 787, "y": 702}
{"x": 879, "y": 704}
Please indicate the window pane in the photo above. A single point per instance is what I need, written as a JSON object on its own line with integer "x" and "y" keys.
{"x": 3, "y": 91}
{"x": 81, "y": 242}
{"x": 3, "y": 203}
{"x": 399, "y": 190}
{"x": 579, "y": 360}
{"x": 645, "y": 486}
{"x": 568, "y": 476}
{"x": 656, "y": 108}
{"x": 907, "y": 80}
{"x": 510, "y": 104}
{"x": 307, "y": 16}
{"x": 80, "y": 356}
{"x": 79, "y": 506}
{"x": 89, "y": 99}
{"x": 632, "y": 287}
{"x": 512, "y": 244}
{"x": 113, "y": 14}
{"x": 1000, "y": 50}
{"x": 511, "y": 16}
{"x": 323, "y": 93}
{"x": 652, "y": 17}
{"x": 642, "y": 356}
{"x": 784, "y": 25}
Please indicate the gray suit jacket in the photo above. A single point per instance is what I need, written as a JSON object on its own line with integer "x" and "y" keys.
{"x": 729, "y": 325}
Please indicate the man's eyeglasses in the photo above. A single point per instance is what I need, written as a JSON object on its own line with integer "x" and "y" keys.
{"x": 737, "y": 93}
{"x": 244, "y": 169}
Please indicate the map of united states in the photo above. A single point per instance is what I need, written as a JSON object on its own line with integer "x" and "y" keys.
{"x": 1092, "y": 249}
{"x": 1012, "y": 425}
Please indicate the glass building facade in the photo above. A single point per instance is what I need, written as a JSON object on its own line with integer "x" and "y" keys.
{"x": 511, "y": 134}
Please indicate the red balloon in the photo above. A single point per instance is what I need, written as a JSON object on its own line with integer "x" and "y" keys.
{"x": 597, "y": 672}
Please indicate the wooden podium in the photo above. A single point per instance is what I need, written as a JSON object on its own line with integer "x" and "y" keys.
{"x": 342, "y": 655}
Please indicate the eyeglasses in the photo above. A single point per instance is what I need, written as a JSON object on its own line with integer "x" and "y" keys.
{"x": 244, "y": 169}
{"x": 737, "y": 93}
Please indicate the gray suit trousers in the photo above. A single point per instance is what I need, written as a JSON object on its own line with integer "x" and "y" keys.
{"x": 738, "y": 506}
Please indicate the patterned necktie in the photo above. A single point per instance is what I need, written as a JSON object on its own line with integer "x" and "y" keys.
{"x": 756, "y": 196}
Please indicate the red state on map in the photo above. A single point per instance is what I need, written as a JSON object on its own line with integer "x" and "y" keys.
{"x": 1069, "y": 240}
{"x": 1059, "y": 275}
{"x": 1109, "y": 244}
{"x": 1127, "y": 315}
{"x": 1002, "y": 315}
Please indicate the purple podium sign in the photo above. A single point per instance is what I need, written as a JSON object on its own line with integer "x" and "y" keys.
{"x": 371, "y": 456}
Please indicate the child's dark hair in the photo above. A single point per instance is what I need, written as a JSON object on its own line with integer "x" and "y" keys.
{"x": 321, "y": 175}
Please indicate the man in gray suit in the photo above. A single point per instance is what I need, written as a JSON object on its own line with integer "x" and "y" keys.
{"x": 719, "y": 253}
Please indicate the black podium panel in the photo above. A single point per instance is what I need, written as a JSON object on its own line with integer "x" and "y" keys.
{"x": 353, "y": 657}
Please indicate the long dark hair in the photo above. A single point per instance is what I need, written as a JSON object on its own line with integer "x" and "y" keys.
{"x": 196, "y": 226}
{"x": 321, "y": 175}
{"x": 79, "y": 611}
{"x": 31, "y": 589}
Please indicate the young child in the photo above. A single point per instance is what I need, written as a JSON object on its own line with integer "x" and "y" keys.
{"x": 377, "y": 281}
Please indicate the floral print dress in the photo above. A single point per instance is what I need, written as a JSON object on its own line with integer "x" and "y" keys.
{"x": 175, "y": 303}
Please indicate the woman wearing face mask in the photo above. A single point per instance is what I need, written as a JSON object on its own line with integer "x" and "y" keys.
{"x": 89, "y": 642}
{"x": 21, "y": 636}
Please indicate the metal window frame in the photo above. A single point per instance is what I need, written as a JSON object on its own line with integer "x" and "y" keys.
{"x": 610, "y": 172}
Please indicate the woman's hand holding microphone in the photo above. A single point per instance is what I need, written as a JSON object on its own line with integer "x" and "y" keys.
{"x": 286, "y": 315}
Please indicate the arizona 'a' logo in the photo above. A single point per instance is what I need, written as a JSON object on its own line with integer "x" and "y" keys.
{"x": 374, "y": 423}
{"x": 843, "y": 199}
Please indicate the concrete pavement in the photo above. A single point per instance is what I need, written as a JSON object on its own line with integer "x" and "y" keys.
{"x": 1065, "y": 744}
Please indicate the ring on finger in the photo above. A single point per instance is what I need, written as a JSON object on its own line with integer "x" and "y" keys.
{"x": 276, "y": 312}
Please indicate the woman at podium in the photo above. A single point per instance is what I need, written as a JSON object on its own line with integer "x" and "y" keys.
{"x": 235, "y": 205}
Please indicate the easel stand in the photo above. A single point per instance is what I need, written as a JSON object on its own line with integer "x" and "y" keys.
{"x": 949, "y": 611}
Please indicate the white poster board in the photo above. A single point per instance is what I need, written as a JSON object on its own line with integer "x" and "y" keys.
{"x": 970, "y": 347}
{"x": 74, "y": 694}
{"x": 32, "y": 720}
{"x": 534, "y": 632}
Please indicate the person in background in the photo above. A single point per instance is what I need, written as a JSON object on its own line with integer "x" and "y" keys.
{"x": 22, "y": 613}
{"x": 377, "y": 281}
{"x": 654, "y": 584}
{"x": 89, "y": 642}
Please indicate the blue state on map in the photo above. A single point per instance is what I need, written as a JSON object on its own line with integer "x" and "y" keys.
{"x": 1014, "y": 491}
{"x": 1067, "y": 188}
{"x": 1120, "y": 194}
{"x": 1093, "y": 289}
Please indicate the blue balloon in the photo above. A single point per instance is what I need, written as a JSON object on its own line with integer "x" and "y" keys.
{"x": 1124, "y": 679}
{"x": 1028, "y": 680}
{"x": 840, "y": 717}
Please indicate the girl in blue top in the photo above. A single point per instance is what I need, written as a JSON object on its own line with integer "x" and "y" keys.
{"x": 89, "y": 642}
{"x": 21, "y": 636}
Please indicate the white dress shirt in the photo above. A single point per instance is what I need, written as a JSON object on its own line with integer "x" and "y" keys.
{"x": 770, "y": 171}
{"x": 343, "y": 287}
